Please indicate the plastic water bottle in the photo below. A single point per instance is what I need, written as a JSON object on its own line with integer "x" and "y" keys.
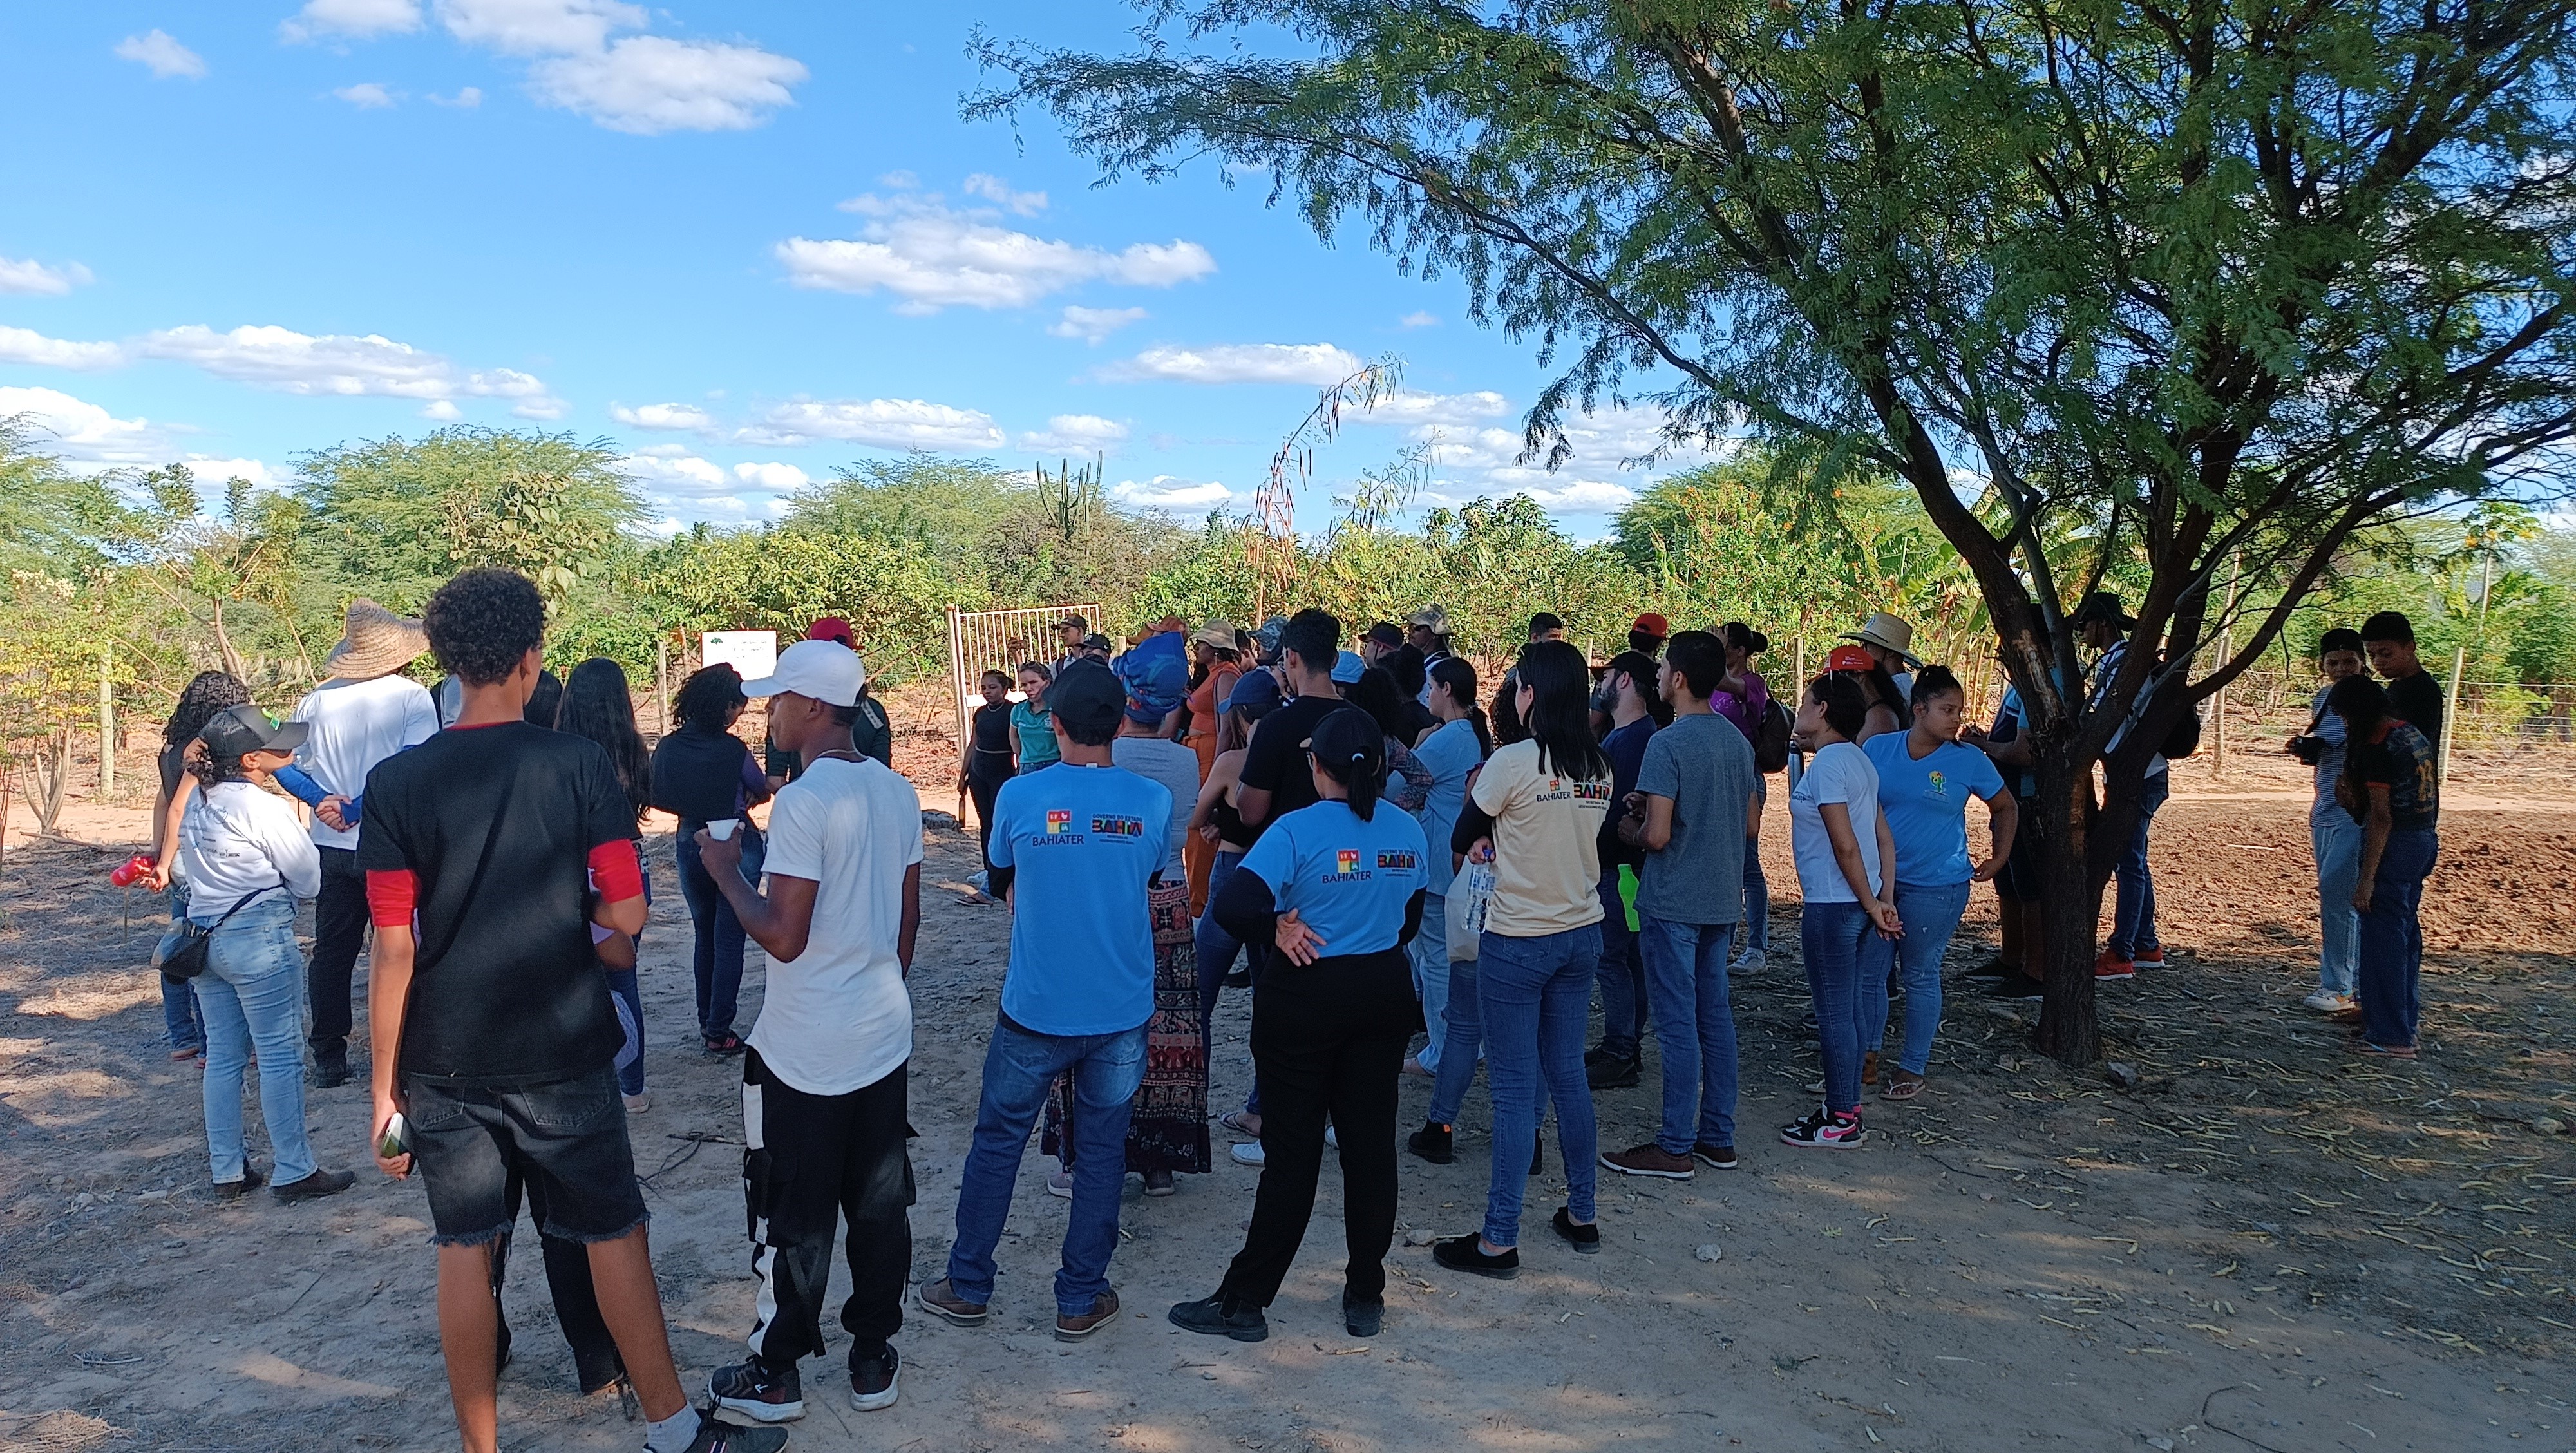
{"x": 131, "y": 871}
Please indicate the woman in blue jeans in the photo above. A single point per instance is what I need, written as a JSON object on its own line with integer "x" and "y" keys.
{"x": 206, "y": 693}
{"x": 703, "y": 773}
{"x": 247, "y": 860}
{"x": 1843, "y": 848}
{"x": 1925, "y": 778}
{"x": 1536, "y": 813}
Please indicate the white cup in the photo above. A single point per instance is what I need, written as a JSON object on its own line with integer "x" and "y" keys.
{"x": 722, "y": 828}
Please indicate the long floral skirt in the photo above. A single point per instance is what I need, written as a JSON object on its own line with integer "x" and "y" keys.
{"x": 1168, "y": 1128}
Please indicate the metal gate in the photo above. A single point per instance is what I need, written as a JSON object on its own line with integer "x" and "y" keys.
{"x": 999, "y": 640}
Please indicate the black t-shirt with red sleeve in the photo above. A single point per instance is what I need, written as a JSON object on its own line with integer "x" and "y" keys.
{"x": 491, "y": 835}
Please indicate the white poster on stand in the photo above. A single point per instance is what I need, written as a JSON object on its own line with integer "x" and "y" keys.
{"x": 752, "y": 653}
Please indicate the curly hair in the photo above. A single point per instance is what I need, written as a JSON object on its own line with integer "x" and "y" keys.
{"x": 207, "y": 693}
{"x": 483, "y": 623}
{"x": 710, "y": 697}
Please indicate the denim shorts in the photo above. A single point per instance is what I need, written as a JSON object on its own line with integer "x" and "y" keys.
{"x": 567, "y": 1137}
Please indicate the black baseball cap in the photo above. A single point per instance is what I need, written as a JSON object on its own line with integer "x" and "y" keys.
{"x": 1089, "y": 697}
{"x": 246, "y": 728}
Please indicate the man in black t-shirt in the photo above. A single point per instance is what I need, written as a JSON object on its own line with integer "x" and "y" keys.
{"x": 491, "y": 849}
{"x": 2413, "y": 695}
{"x": 1276, "y": 778}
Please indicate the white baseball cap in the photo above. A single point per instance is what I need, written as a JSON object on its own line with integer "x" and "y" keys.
{"x": 827, "y": 671}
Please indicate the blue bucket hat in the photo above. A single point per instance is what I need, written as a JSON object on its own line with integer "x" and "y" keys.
{"x": 1347, "y": 668}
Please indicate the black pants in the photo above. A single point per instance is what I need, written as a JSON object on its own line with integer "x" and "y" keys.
{"x": 595, "y": 1362}
{"x": 810, "y": 1161}
{"x": 1327, "y": 1041}
{"x": 339, "y": 931}
{"x": 985, "y": 789}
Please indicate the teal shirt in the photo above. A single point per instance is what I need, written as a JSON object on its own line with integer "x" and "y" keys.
{"x": 1036, "y": 731}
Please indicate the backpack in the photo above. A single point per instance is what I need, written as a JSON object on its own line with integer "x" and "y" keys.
{"x": 1771, "y": 739}
{"x": 2184, "y": 739}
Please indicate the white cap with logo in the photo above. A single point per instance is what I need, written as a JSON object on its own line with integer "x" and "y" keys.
{"x": 826, "y": 671}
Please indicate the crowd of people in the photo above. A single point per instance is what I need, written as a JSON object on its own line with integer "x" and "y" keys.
{"x": 1411, "y": 876}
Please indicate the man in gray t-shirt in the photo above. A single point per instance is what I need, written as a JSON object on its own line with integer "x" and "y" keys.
{"x": 1692, "y": 811}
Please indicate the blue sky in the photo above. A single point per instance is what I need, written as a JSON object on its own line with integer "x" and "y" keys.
{"x": 747, "y": 242}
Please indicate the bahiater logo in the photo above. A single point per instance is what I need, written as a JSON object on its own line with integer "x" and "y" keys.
{"x": 1058, "y": 822}
{"x": 1346, "y": 860}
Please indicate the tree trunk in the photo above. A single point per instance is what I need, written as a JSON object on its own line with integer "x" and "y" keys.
{"x": 51, "y": 769}
{"x": 2070, "y": 907}
{"x": 224, "y": 644}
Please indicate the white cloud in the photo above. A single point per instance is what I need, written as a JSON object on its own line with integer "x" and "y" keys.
{"x": 1093, "y": 324}
{"x": 443, "y": 411}
{"x": 25, "y": 345}
{"x": 81, "y": 429}
{"x": 1418, "y": 320}
{"x": 366, "y": 95}
{"x": 933, "y": 257}
{"x": 302, "y": 363}
{"x": 1171, "y": 494}
{"x": 156, "y": 52}
{"x": 1584, "y": 497}
{"x": 1437, "y": 410}
{"x": 351, "y": 19}
{"x": 465, "y": 99}
{"x": 212, "y": 472}
{"x": 993, "y": 189}
{"x": 1314, "y": 363}
{"x": 1081, "y": 432}
{"x": 683, "y": 472}
{"x": 663, "y": 416}
{"x": 544, "y": 406}
{"x": 772, "y": 476}
{"x": 887, "y": 423}
{"x": 538, "y": 27}
{"x": 31, "y": 276}
{"x": 649, "y": 84}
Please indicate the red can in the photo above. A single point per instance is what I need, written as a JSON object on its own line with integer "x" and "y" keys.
{"x": 126, "y": 874}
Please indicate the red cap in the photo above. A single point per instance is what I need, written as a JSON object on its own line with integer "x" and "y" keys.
{"x": 832, "y": 628}
{"x": 1851, "y": 658}
{"x": 1653, "y": 625}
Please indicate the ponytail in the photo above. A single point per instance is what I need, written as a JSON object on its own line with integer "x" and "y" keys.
{"x": 1349, "y": 748}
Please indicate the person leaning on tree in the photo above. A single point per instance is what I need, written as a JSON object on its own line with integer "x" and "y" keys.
{"x": 2132, "y": 944}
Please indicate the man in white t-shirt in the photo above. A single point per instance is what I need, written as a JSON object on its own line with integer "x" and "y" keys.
{"x": 363, "y": 714}
{"x": 823, "y": 1083}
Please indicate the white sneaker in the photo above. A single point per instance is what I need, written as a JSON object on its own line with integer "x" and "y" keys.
{"x": 1250, "y": 1154}
{"x": 638, "y": 1104}
{"x": 1751, "y": 961}
{"x": 2327, "y": 1002}
{"x": 1060, "y": 1185}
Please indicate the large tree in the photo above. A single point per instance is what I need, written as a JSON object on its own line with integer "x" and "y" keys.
{"x": 2190, "y": 289}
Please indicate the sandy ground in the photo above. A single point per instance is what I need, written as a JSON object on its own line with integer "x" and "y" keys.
{"x": 2264, "y": 1244}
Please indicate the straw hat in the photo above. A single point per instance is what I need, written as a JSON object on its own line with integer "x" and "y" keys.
{"x": 1888, "y": 633}
{"x": 1218, "y": 632}
{"x": 374, "y": 642}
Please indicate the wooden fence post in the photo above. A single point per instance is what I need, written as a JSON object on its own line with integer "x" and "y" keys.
{"x": 106, "y": 720}
{"x": 2450, "y": 716}
{"x": 662, "y": 680}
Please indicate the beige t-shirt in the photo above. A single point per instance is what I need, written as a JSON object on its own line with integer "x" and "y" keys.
{"x": 1547, "y": 865}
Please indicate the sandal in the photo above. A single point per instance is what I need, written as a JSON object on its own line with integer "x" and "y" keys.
{"x": 1233, "y": 1120}
{"x": 1901, "y": 1085}
{"x": 2383, "y": 1051}
{"x": 725, "y": 1043}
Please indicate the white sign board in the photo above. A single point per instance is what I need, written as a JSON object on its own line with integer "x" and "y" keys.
{"x": 752, "y": 653}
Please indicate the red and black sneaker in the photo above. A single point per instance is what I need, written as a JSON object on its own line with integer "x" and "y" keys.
{"x": 757, "y": 1390}
{"x": 1825, "y": 1130}
{"x": 2148, "y": 958}
{"x": 2111, "y": 966}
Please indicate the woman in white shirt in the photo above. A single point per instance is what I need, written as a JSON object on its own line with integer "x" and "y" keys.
{"x": 247, "y": 859}
{"x": 1846, "y": 869}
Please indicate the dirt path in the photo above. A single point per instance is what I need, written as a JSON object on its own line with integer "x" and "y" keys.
{"x": 2262, "y": 1245}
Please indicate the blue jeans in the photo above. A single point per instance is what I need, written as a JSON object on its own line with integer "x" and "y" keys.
{"x": 1429, "y": 953}
{"x": 717, "y": 953}
{"x": 1463, "y": 1044}
{"x": 179, "y": 1016}
{"x": 1019, "y": 1069}
{"x": 1622, "y": 973}
{"x": 1931, "y": 916}
{"x": 1757, "y": 889}
{"x": 2133, "y": 907}
{"x": 1216, "y": 953}
{"x": 1686, "y": 972}
{"x": 1831, "y": 934}
{"x": 1536, "y": 994}
{"x": 2392, "y": 940}
{"x": 2336, "y": 839}
{"x": 252, "y": 994}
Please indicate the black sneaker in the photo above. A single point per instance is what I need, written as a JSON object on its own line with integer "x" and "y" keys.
{"x": 1595, "y": 1055}
{"x": 757, "y": 1390}
{"x": 1220, "y": 1316}
{"x": 1238, "y": 979}
{"x": 1461, "y": 1253}
{"x": 2019, "y": 986}
{"x": 1612, "y": 1072}
{"x": 1586, "y": 1239}
{"x": 1362, "y": 1319}
{"x": 1433, "y": 1142}
{"x": 872, "y": 1380}
{"x": 1994, "y": 968}
{"x": 721, "y": 1437}
{"x": 1715, "y": 1157}
{"x": 252, "y": 1179}
{"x": 330, "y": 1067}
{"x": 315, "y": 1186}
